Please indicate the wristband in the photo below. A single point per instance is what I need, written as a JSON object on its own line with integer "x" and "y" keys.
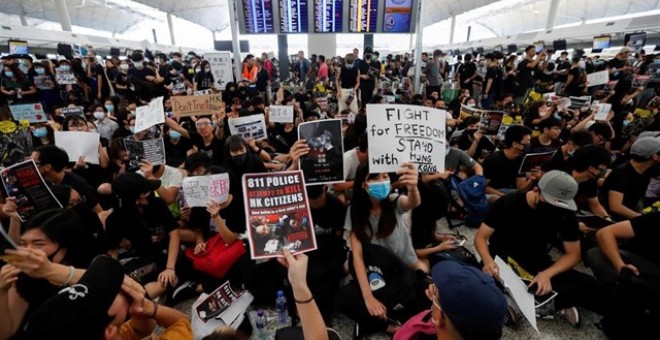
{"x": 305, "y": 301}
{"x": 69, "y": 278}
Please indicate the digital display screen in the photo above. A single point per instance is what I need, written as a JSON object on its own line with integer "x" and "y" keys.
{"x": 363, "y": 15}
{"x": 602, "y": 42}
{"x": 637, "y": 41}
{"x": 328, "y": 16}
{"x": 397, "y": 16}
{"x": 18, "y": 47}
{"x": 293, "y": 16}
{"x": 539, "y": 46}
{"x": 258, "y": 16}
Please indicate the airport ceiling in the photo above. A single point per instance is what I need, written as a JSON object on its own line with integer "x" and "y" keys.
{"x": 500, "y": 17}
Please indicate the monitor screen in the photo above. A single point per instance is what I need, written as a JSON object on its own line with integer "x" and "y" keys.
{"x": 328, "y": 16}
{"x": 18, "y": 47}
{"x": 539, "y": 46}
{"x": 512, "y": 48}
{"x": 637, "y": 40}
{"x": 363, "y": 16}
{"x": 559, "y": 45}
{"x": 480, "y": 50}
{"x": 397, "y": 16}
{"x": 258, "y": 16}
{"x": 497, "y": 48}
{"x": 293, "y": 16}
{"x": 602, "y": 42}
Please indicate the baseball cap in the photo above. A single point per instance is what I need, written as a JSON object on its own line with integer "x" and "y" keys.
{"x": 81, "y": 308}
{"x": 646, "y": 147}
{"x": 470, "y": 299}
{"x": 130, "y": 184}
{"x": 625, "y": 49}
{"x": 559, "y": 188}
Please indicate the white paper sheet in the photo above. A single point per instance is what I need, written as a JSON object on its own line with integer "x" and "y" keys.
{"x": 79, "y": 143}
{"x": 601, "y": 110}
{"x": 149, "y": 115}
{"x": 281, "y": 114}
{"x": 198, "y": 191}
{"x": 598, "y": 78}
{"x": 518, "y": 291}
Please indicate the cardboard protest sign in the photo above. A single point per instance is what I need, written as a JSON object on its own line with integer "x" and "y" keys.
{"x": 221, "y": 68}
{"x": 399, "y": 133}
{"x": 281, "y": 114}
{"x": 203, "y": 105}
{"x": 598, "y": 78}
{"x": 601, "y": 110}
{"x": 533, "y": 160}
{"x": 253, "y": 126}
{"x": 32, "y": 112}
{"x": 79, "y": 143}
{"x": 152, "y": 150}
{"x": 73, "y": 111}
{"x": 149, "y": 115}
{"x": 491, "y": 121}
{"x": 199, "y": 191}
{"x": 325, "y": 161}
{"x": 277, "y": 214}
{"x": 24, "y": 182}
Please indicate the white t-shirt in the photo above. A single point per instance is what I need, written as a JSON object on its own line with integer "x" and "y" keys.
{"x": 172, "y": 177}
{"x": 351, "y": 163}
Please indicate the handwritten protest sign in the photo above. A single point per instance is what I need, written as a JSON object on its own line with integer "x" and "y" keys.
{"x": 79, "y": 143}
{"x": 221, "y": 68}
{"x": 277, "y": 214}
{"x": 203, "y": 105}
{"x": 398, "y": 133}
{"x": 325, "y": 161}
{"x": 598, "y": 78}
{"x": 200, "y": 190}
{"x": 152, "y": 150}
{"x": 281, "y": 114}
{"x": 601, "y": 110}
{"x": 253, "y": 126}
{"x": 24, "y": 182}
{"x": 33, "y": 112}
{"x": 149, "y": 115}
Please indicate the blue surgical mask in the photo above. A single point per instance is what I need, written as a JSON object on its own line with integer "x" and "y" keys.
{"x": 626, "y": 122}
{"x": 110, "y": 108}
{"x": 379, "y": 190}
{"x": 40, "y": 132}
{"x": 65, "y": 68}
{"x": 174, "y": 134}
{"x": 40, "y": 70}
{"x": 9, "y": 74}
{"x": 98, "y": 115}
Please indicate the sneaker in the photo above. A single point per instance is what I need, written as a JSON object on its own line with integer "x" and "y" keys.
{"x": 570, "y": 315}
{"x": 184, "y": 291}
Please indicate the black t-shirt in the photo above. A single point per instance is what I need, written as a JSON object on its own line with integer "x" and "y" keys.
{"x": 262, "y": 80}
{"x": 561, "y": 66}
{"x": 331, "y": 217}
{"x": 537, "y": 147}
{"x": 524, "y": 234}
{"x": 365, "y": 68}
{"x": 204, "y": 80}
{"x": 586, "y": 190}
{"x": 464, "y": 143}
{"x": 282, "y": 140}
{"x": 148, "y": 232}
{"x": 141, "y": 73}
{"x": 647, "y": 234}
{"x": 215, "y": 150}
{"x": 82, "y": 187}
{"x": 501, "y": 171}
{"x": 525, "y": 74}
{"x": 557, "y": 163}
{"x": 616, "y": 63}
{"x": 576, "y": 87}
{"x": 626, "y": 180}
{"x": 467, "y": 71}
{"x": 494, "y": 74}
{"x": 176, "y": 154}
{"x": 348, "y": 77}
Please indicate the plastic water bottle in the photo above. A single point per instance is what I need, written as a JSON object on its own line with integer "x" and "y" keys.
{"x": 282, "y": 312}
{"x": 262, "y": 325}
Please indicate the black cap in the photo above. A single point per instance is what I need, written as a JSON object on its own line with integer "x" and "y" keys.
{"x": 81, "y": 309}
{"x": 131, "y": 185}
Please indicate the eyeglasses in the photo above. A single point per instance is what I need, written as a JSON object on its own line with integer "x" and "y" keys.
{"x": 203, "y": 124}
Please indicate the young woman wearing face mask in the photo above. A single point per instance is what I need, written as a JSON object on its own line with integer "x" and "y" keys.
{"x": 16, "y": 86}
{"x": 204, "y": 79}
{"x": 121, "y": 82}
{"x": 44, "y": 80}
{"x": 59, "y": 235}
{"x": 42, "y": 134}
{"x": 376, "y": 217}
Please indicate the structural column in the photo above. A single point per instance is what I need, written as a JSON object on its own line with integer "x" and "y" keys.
{"x": 418, "y": 47}
{"x": 234, "y": 40}
{"x": 552, "y": 15}
{"x": 283, "y": 55}
{"x": 452, "y": 29}
{"x": 23, "y": 20}
{"x": 368, "y": 41}
{"x": 170, "y": 25}
{"x": 63, "y": 14}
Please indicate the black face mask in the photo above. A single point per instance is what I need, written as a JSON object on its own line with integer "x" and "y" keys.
{"x": 471, "y": 131}
{"x": 239, "y": 159}
{"x": 52, "y": 256}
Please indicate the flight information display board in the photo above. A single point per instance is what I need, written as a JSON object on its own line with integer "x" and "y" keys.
{"x": 363, "y": 15}
{"x": 258, "y": 16}
{"x": 328, "y": 16}
{"x": 293, "y": 16}
{"x": 398, "y": 14}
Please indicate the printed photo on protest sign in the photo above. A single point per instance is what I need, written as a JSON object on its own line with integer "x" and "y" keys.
{"x": 399, "y": 133}
{"x": 223, "y": 303}
{"x": 506, "y": 122}
{"x": 467, "y": 111}
{"x": 491, "y": 121}
{"x": 580, "y": 103}
{"x": 73, "y": 111}
{"x": 601, "y": 110}
{"x": 15, "y": 142}
{"x": 199, "y": 191}
{"x": 533, "y": 160}
{"x": 253, "y": 126}
{"x": 33, "y": 112}
{"x": 24, "y": 182}
{"x": 149, "y": 115}
{"x": 277, "y": 214}
{"x": 281, "y": 114}
{"x": 44, "y": 82}
{"x": 152, "y": 150}
{"x": 79, "y": 143}
{"x": 202, "y": 105}
{"x": 325, "y": 161}
{"x": 221, "y": 68}
{"x": 64, "y": 77}
{"x": 598, "y": 78}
